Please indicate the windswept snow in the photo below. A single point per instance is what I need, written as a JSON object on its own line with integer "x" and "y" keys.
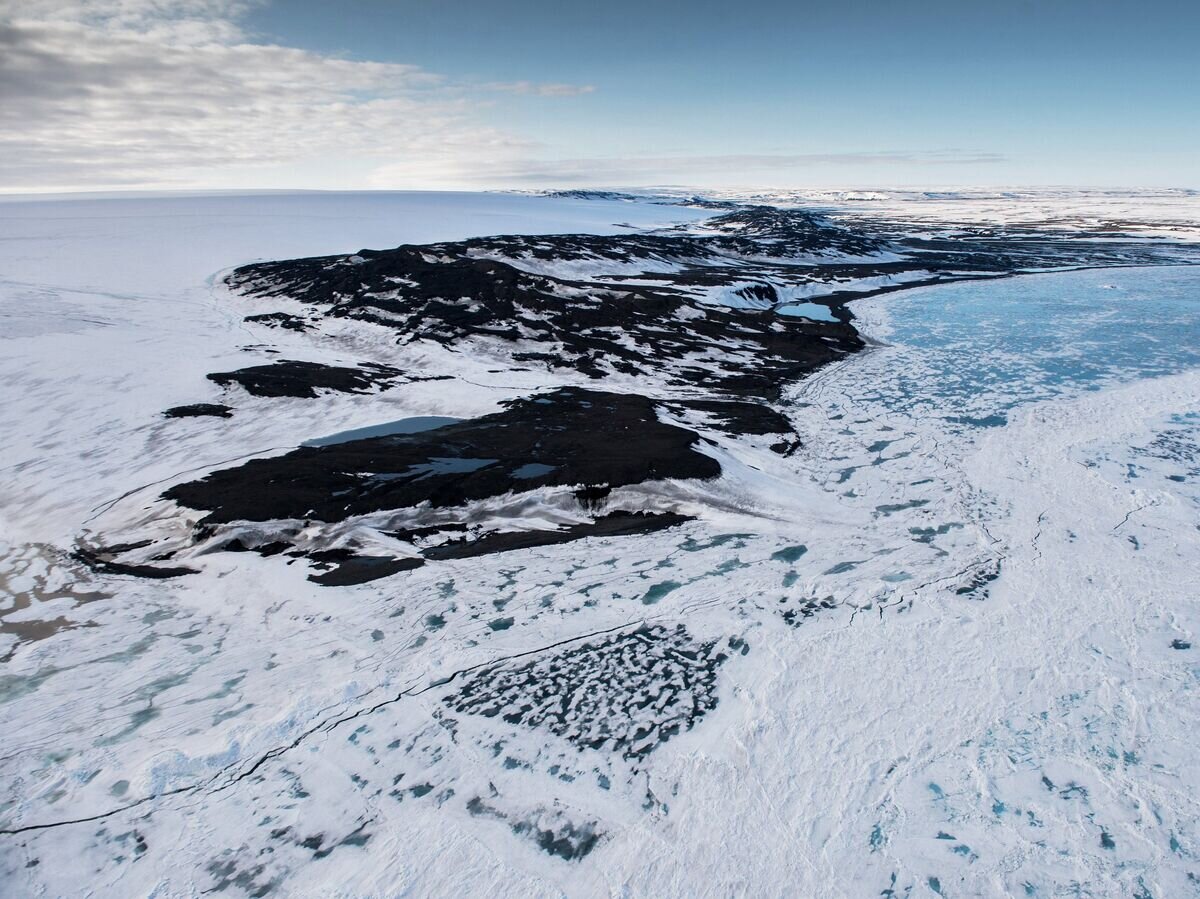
{"x": 934, "y": 638}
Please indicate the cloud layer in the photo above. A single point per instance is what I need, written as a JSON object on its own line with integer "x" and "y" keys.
{"x": 162, "y": 92}
{"x": 173, "y": 93}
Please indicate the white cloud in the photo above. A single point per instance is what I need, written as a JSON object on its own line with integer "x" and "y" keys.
{"x": 170, "y": 92}
{"x": 173, "y": 93}
{"x": 539, "y": 89}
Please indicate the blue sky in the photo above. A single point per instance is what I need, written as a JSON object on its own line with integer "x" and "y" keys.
{"x": 414, "y": 93}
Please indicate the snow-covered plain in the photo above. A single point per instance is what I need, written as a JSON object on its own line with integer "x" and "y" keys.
{"x": 956, "y": 626}
{"x": 1167, "y": 213}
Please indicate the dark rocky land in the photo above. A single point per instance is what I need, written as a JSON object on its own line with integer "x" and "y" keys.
{"x": 692, "y": 323}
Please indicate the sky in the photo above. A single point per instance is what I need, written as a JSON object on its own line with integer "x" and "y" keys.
{"x": 480, "y": 94}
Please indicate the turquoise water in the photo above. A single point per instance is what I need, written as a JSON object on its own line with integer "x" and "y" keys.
{"x": 970, "y": 352}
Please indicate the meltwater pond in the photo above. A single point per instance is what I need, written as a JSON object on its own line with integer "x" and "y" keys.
{"x": 968, "y": 353}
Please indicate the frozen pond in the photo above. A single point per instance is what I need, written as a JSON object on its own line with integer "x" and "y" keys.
{"x": 815, "y": 311}
{"x": 413, "y": 425}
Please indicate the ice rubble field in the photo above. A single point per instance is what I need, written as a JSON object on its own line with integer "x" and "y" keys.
{"x": 955, "y": 631}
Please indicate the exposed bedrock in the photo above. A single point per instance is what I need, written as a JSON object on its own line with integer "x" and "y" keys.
{"x": 527, "y": 290}
{"x": 568, "y": 437}
{"x": 304, "y": 379}
{"x": 689, "y": 315}
{"x": 691, "y": 307}
{"x": 199, "y": 410}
